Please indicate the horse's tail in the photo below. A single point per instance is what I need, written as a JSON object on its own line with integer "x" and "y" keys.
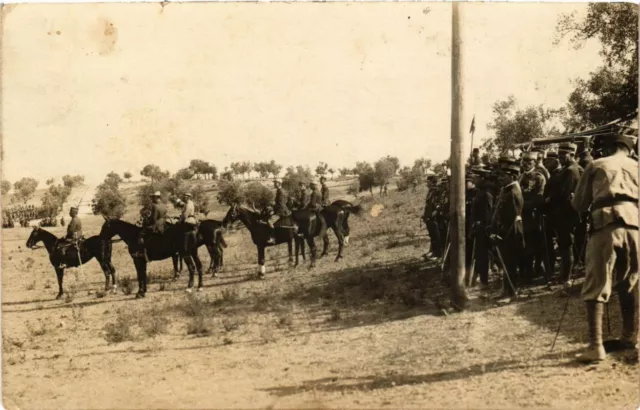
{"x": 218, "y": 238}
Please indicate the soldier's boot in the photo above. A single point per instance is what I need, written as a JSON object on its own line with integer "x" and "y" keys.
{"x": 272, "y": 234}
{"x": 595, "y": 351}
{"x": 628, "y": 339}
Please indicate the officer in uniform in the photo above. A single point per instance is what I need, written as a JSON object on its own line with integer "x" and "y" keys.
{"x": 324, "y": 191}
{"x": 532, "y": 183}
{"x": 506, "y": 225}
{"x": 429, "y": 218}
{"x": 563, "y": 216}
{"x": 539, "y": 165}
{"x": 302, "y": 197}
{"x": 73, "y": 237}
{"x": 154, "y": 221}
{"x": 475, "y": 158}
{"x": 480, "y": 217}
{"x": 280, "y": 209}
{"x": 610, "y": 187}
{"x": 315, "y": 199}
{"x": 188, "y": 220}
{"x": 585, "y": 158}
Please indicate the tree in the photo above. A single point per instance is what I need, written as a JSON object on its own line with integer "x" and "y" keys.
{"x": 227, "y": 176}
{"x": 441, "y": 167}
{"x": 200, "y": 199}
{"x": 53, "y": 199}
{"x": 185, "y": 173}
{"x": 109, "y": 201}
{"x": 294, "y": 176}
{"x": 245, "y": 169}
{"x": 322, "y": 168}
{"x": 200, "y": 167}
{"x": 212, "y": 171}
{"x": 512, "y": 125}
{"x": 72, "y": 181}
{"x": 230, "y": 193}
{"x": 344, "y": 172}
{"x": 6, "y": 187}
{"x": 262, "y": 168}
{"x": 274, "y": 168}
{"x": 24, "y": 189}
{"x": 258, "y": 196}
{"x": 49, "y": 181}
{"x": 154, "y": 172}
{"x": 366, "y": 176}
{"x": 384, "y": 169}
{"x": 127, "y": 175}
{"x": 332, "y": 172}
{"x": 611, "y": 91}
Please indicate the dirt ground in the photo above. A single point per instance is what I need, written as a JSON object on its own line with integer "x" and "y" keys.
{"x": 366, "y": 332}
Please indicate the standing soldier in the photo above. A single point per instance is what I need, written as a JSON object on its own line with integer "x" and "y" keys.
{"x": 475, "y": 159}
{"x": 610, "y": 187}
{"x": 563, "y": 216}
{"x": 506, "y": 225}
{"x": 480, "y": 216}
{"x": 539, "y": 165}
{"x": 435, "y": 247}
{"x": 74, "y": 235}
{"x": 324, "y": 191}
{"x": 532, "y": 183}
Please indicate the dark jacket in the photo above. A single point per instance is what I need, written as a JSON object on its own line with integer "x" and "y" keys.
{"x": 315, "y": 201}
{"x": 155, "y": 222}
{"x": 481, "y": 209}
{"x": 324, "y": 191}
{"x": 561, "y": 191}
{"x": 280, "y": 207}
{"x": 74, "y": 229}
{"x": 507, "y": 218}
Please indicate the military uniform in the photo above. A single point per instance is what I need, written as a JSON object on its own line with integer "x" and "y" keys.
{"x": 507, "y": 224}
{"x": 480, "y": 217}
{"x": 563, "y": 217}
{"x": 610, "y": 187}
{"x": 429, "y": 218}
{"x": 532, "y": 184}
{"x": 315, "y": 200}
{"x": 154, "y": 222}
{"x": 302, "y": 198}
{"x": 324, "y": 191}
{"x": 73, "y": 237}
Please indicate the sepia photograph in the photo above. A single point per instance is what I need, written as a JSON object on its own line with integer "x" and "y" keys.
{"x": 319, "y": 205}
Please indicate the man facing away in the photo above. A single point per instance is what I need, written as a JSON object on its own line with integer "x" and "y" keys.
{"x": 610, "y": 187}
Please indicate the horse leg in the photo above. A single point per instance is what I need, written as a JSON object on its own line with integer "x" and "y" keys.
{"x": 297, "y": 241}
{"x": 302, "y": 250}
{"x": 176, "y": 260}
{"x": 196, "y": 259}
{"x": 192, "y": 270}
{"x": 312, "y": 247}
{"x": 290, "y": 249}
{"x": 346, "y": 230}
{"x": 340, "y": 237}
{"x": 261, "y": 262}
{"x": 325, "y": 245}
{"x": 141, "y": 271}
{"x": 59, "y": 276}
{"x": 112, "y": 270}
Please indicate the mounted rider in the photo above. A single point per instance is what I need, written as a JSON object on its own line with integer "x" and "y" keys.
{"x": 153, "y": 222}
{"x": 281, "y": 210}
{"x": 73, "y": 237}
{"x": 315, "y": 199}
{"x": 188, "y": 220}
{"x": 301, "y": 197}
{"x": 324, "y": 191}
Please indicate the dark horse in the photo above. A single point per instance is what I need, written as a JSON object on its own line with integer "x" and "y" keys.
{"x": 260, "y": 231}
{"x": 93, "y": 247}
{"x": 155, "y": 248}
{"x": 348, "y": 209}
{"x": 210, "y": 235}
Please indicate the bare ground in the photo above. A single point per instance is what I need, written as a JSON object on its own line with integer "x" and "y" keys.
{"x": 369, "y": 331}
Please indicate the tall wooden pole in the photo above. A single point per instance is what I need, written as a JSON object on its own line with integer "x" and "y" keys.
{"x": 457, "y": 182}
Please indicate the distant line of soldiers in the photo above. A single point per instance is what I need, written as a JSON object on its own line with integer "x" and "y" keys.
{"x": 20, "y": 214}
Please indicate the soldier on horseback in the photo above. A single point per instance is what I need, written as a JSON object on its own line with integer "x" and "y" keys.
{"x": 280, "y": 209}
{"x": 154, "y": 219}
{"x": 188, "y": 219}
{"x": 324, "y": 191}
{"x": 315, "y": 200}
{"x": 302, "y": 198}
{"x": 73, "y": 237}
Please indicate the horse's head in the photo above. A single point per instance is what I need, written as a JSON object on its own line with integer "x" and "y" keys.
{"x": 107, "y": 231}
{"x": 232, "y": 215}
{"x": 34, "y": 238}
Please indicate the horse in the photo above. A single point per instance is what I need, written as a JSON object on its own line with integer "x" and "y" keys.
{"x": 93, "y": 247}
{"x": 210, "y": 235}
{"x": 348, "y": 209}
{"x": 154, "y": 248}
{"x": 261, "y": 232}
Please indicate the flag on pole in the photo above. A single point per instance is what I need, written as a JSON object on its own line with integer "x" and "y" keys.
{"x": 473, "y": 125}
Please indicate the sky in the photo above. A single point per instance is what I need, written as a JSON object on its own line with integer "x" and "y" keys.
{"x": 93, "y": 88}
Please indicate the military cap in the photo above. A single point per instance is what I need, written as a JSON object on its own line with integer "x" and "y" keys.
{"x": 73, "y": 207}
{"x": 157, "y": 193}
{"x": 537, "y": 149}
{"x": 551, "y": 154}
{"x": 530, "y": 155}
{"x": 567, "y": 147}
{"x": 188, "y": 194}
{"x": 616, "y": 139}
{"x": 510, "y": 168}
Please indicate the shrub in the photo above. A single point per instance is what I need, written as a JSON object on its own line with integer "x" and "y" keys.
{"x": 120, "y": 330}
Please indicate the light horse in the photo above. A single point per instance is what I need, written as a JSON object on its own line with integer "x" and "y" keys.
{"x": 93, "y": 247}
{"x": 156, "y": 247}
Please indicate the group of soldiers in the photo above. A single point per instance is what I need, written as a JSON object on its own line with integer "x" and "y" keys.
{"x": 21, "y": 214}
{"x": 519, "y": 216}
{"x": 524, "y": 214}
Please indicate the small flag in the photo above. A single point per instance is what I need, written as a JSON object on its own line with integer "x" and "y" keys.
{"x": 473, "y": 125}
